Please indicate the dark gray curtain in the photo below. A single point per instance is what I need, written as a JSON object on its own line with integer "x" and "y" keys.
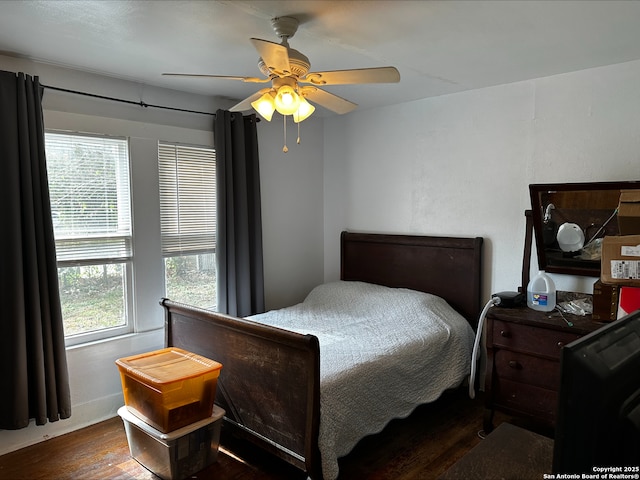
{"x": 33, "y": 365}
{"x": 239, "y": 220}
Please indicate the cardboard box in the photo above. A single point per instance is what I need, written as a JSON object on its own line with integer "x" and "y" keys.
{"x": 620, "y": 264}
{"x": 629, "y": 212}
{"x": 169, "y": 388}
{"x": 178, "y": 454}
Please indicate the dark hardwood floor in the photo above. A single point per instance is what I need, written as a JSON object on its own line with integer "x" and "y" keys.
{"x": 422, "y": 446}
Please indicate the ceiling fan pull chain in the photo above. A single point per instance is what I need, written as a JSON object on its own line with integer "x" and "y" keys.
{"x": 285, "y": 149}
{"x": 298, "y": 141}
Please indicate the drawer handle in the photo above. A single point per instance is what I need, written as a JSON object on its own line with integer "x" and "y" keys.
{"x": 560, "y": 344}
{"x": 514, "y": 364}
{"x": 505, "y": 334}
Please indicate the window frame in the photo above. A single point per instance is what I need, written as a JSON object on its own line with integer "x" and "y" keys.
{"x": 175, "y": 247}
{"x": 126, "y": 261}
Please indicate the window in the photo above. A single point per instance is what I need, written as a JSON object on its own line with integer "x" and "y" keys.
{"x": 187, "y": 177}
{"x": 91, "y": 210}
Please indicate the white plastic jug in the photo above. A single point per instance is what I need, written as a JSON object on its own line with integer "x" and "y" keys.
{"x": 541, "y": 293}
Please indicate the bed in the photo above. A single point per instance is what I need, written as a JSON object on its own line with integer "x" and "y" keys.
{"x": 271, "y": 385}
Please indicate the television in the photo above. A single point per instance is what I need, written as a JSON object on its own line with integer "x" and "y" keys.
{"x": 598, "y": 418}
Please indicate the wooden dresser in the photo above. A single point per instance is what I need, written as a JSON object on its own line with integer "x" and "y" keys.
{"x": 523, "y": 361}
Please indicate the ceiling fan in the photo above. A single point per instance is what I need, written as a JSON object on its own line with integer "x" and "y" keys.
{"x": 291, "y": 82}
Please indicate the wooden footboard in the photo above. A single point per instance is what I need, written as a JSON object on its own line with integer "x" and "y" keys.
{"x": 269, "y": 385}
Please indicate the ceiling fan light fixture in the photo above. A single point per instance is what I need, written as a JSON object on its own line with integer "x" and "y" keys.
{"x": 265, "y": 106}
{"x": 288, "y": 71}
{"x": 287, "y": 101}
{"x": 304, "y": 110}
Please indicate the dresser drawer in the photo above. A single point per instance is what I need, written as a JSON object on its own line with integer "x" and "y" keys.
{"x": 525, "y": 338}
{"x": 528, "y": 369}
{"x": 526, "y": 399}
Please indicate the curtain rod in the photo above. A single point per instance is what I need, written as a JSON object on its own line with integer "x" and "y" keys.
{"x": 131, "y": 102}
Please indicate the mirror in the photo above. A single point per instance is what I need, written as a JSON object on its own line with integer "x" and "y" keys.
{"x": 569, "y": 221}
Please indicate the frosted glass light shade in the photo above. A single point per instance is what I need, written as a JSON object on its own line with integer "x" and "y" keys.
{"x": 265, "y": 106}
{"x": 304, "y": 111}
{"x": 287, "y": 100}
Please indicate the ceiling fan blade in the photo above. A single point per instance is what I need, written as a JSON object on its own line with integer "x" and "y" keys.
{"x": 354, "y": 76}
{"x": 224, "y": 77}
{"x": 274, "y": 55}
{"x": 246, "y": 103}
{"x": 328, "y": 100}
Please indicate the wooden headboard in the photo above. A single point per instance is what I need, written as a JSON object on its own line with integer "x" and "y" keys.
{"x": 448, "y": 267}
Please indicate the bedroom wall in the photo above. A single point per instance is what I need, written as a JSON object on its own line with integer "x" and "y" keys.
{"x": 461, "y": 164}
{"x": 292, "y": 211}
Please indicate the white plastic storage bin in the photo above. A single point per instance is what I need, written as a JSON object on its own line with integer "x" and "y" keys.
{"x": 175, "y": 455}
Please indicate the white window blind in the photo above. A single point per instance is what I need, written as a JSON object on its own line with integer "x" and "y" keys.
{"x": 187, "y": 199}
{"x": 90, "y": 199}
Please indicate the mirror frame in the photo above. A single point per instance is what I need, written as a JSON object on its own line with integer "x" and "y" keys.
{"x": 590, "y": 268}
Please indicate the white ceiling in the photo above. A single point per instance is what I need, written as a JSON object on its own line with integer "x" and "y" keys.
{"x": 439, "y": 47}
